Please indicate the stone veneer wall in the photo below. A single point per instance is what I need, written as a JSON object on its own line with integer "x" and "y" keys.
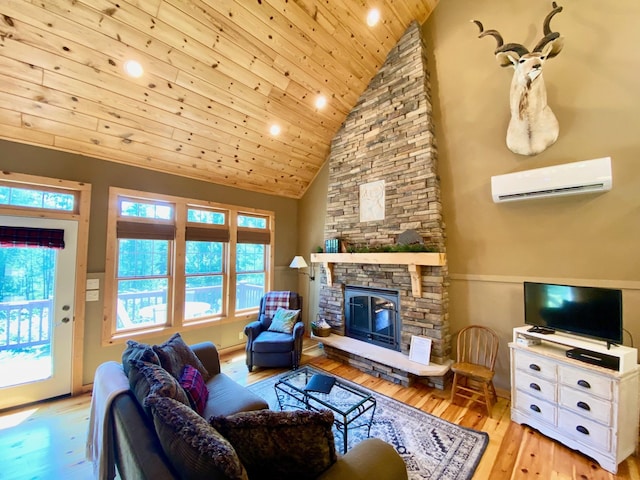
{"x": 389, "y": 136}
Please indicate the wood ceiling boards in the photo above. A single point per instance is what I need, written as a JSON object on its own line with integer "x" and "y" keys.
{"x": 217, "y": 75}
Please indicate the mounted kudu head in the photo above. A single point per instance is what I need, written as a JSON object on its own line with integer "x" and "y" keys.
{"x": 533, "y": 126}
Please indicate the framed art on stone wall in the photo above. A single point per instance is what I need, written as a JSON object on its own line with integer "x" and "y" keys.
{"x": 372, "y": 200}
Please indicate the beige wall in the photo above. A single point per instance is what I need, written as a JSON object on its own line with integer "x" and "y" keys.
{"x": 311, "y": 216}
{"x": 101, "y": 175}
{"x": 593, "y": 89}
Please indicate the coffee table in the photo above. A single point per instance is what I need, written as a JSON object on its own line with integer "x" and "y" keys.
{"x": 352, "y": 407}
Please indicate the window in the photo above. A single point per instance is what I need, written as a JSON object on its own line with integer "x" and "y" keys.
{"x": 145, "y": 234}
{"x": 251, "y": 260}
{"x": 35, "y": 197}
{"x": 207, "y": 240}
{"x": 175, "y": 263}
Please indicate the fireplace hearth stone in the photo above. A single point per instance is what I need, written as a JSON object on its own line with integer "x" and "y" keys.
{"x": 388, "y": 364}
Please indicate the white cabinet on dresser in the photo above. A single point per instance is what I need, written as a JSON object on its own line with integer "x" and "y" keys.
{"x": 588, "y": 408}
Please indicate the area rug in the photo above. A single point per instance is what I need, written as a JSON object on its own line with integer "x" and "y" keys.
{"x": 432, "y": 448}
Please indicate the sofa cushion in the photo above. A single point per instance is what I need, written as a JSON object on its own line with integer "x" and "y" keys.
{"x": 174, "y": 354}
{"x": 138, "y": 351}
{"x": 284, "y": 445}
{"x": 273, "y": 342}
{"x": 194, "y": 448}
{"x": 284, "y": 320}
{"x": 227, "y": 397}
{"x": 195, "y": 388}
{"x": 147, "y": 378}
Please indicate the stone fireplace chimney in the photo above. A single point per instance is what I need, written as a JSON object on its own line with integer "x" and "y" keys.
{"x": 389, "y": 138}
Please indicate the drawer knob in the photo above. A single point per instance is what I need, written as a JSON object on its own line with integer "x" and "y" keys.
{"x": 584, "y": 383}
{"x": 535, "y": 367}
{"x": 535, "y": 408}
{"x": 584, "y": 406}
{"x": 582, "y": 429}
{"x": 534, "y": 386}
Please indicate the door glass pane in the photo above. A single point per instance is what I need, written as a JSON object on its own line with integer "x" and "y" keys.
{"x": 27, "y": 289}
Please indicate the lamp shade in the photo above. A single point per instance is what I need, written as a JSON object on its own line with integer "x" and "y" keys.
{"x": 298, "y": 262}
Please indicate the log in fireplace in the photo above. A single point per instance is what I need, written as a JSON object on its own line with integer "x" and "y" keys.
{"x": 373, "y": 315}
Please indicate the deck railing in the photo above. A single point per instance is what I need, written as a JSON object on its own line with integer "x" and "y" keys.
{"x": 247, "y": 296}
{"x": 25, "y": 324}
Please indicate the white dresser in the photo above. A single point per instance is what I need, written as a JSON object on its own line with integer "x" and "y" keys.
{"x": 588, "y": 408}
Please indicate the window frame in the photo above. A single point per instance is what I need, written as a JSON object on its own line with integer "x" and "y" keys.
{"x": 176, "y": 295}
{"x": 246, "y": 233}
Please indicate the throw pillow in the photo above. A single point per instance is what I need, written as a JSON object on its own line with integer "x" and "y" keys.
{"x": 174, "y": 354}
{"x": 285, "y": 445}
{"x": 138, "y": 351}
{"x": 194, "y": 448}
{"x": 148, "y": 379}
{"x": 193, "y": 383}
{"x": 284, "y": 320}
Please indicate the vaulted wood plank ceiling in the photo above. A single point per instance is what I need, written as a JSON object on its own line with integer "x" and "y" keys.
{"x": 217, "y": 75}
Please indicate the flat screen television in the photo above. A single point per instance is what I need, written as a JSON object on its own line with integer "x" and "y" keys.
{"x": 588, "y": 311}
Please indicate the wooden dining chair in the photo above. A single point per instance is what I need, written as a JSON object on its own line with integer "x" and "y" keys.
{"x": 474, "y": 368}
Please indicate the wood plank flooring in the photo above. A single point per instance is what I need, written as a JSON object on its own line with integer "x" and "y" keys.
{"x": 47, "y": 440}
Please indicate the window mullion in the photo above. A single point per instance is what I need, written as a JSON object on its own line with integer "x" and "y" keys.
{"x": 178, "y": 269}
{"x": 231, "y": 264}
{"x": 270, "y": 258}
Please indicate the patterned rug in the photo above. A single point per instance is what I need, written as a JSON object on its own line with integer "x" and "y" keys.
{"x": 432, "y": 448}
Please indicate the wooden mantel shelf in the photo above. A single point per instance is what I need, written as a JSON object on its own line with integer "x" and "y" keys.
{"x": 413, "y": 260}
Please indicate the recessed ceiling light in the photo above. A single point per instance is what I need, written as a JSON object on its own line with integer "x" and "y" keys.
{"x": 321, "y": 101}
{"x": 133, "y": 69}
{"x": 274, "y": 130}
{"x": 373, "y": 17}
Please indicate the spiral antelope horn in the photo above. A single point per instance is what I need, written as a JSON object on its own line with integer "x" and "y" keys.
{"x": 501, "y": 46}
{"x": 549, "y": 35}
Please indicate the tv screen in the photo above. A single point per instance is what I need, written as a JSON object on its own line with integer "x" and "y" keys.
{"x": 589, "y": 311}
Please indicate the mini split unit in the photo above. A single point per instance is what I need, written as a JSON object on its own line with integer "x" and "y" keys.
{"x": 589, "y": 176}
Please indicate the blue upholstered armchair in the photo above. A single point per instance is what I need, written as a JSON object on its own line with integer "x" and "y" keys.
{"x": 268, "y": 346}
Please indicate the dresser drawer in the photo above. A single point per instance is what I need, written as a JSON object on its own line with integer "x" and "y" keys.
{"x": 538, "y": 387}
{"x": 535, "y": 407}
{"x": 586, "y": 431}
{"x": 586, "y": 381}
{"x": 586, "y": 405}
{"x": 535, "y": 365}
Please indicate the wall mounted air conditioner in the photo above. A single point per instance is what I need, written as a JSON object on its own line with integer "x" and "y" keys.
{"x": 589, "y": 176}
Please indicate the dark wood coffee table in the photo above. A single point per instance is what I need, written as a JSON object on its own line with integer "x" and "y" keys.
{"x": 352, "y": 407}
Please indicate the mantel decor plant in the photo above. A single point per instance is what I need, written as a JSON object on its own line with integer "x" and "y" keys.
{"x": 414, "y": 247}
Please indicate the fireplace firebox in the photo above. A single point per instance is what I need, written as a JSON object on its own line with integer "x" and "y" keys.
{"x": 373, "y": 315}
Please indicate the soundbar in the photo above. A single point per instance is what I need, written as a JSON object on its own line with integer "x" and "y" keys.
{"x": 595, "y": 358}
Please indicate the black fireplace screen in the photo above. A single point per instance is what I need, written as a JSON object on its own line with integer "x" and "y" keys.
{"x": 373, "y": 315}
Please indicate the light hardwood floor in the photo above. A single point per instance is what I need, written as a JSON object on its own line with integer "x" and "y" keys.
{"x": 47, "y": 440}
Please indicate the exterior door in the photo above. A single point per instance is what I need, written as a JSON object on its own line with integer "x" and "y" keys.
{"x": 36, "y": 315}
